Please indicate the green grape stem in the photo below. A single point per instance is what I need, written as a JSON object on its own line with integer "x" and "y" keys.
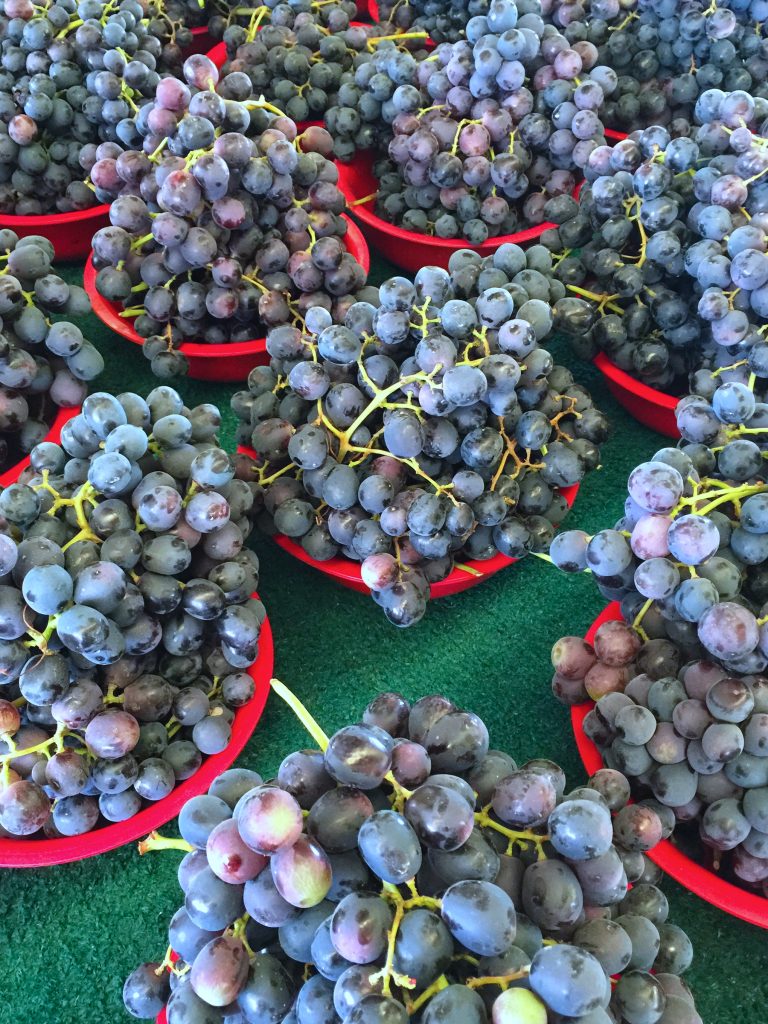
{"x": 516, "y": 837}
{"x": 155, "y": 841}
{"x": 301, "y": 713}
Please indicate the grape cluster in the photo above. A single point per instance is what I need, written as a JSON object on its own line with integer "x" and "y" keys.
{"x": 224, "y": 223}
{"x": 444, "y": 22}
{"x": 688, "y": 558}
{"x": 299, "y": 57}
{"x": 672, "y": 244}
{"x": 172, "y": 21}
{"x": 70, "y": 74}
{"x": 666, "y": 53}
{"x": 687, "y": 733}
{"x": 429, "y": 426}
{"x": 484, "y": 133}
{"x": 405, "y": 871}
{"x": 126, "y": 610}
{"x": 45, "y": 361}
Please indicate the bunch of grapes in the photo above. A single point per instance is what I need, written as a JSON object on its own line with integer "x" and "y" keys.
{"x": 405, "y": 871}
{"x": 666, "y": 53}
{"x": 45, "y": 361}
{"x": 224, "y": 223}
{"x": 427, "y": 427}
{"x": 70, "y": 74}
{"x": 300, "y": 58}
{"x": 688, "y": 734}
{"x": 444, "y": 22}
{"x": 689, "y": 557}
{"x": 474, "y": 152}
{"x": 128, "y": 621}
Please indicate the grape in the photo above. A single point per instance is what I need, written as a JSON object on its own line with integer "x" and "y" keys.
{"x": 219, "y": 971}
{"x": 302, "y": 873}
{"x": 390, "y": 847}
{"x": 268, "y": 819}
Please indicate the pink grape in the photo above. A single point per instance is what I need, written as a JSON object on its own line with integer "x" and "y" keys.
{"x": 228, "y": 856}
{"x": 302, "y": 873}
{"x": 269, "y": 819}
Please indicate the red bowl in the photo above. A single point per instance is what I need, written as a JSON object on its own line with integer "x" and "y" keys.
{"x": 409, "y": 249}
{"x": 202, "y": 41}
{"x": 347, "y": 573}
{"x": 226, "y": 363}
{"x": 653, "y": 408}
{"x": 737, "y": 902}
{"x": 70, "y": 233}
{"x": 54, "y": 434}
{"x": 36, "y": 853}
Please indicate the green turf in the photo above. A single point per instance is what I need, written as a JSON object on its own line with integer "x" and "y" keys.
{"x": 71, "y": 934}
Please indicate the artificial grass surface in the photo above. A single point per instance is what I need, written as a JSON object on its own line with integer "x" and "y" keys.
{"x": 70, "y": 935}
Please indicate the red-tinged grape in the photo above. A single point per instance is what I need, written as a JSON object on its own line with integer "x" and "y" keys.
{"x": 10, "y": 719}
{"x": 219, "y": 971}
{"x": 302, "y": 872}
{"x": 24, "y": 808}
{"x": 228, "y": 856}
{"x": 359, "y": 927}
{"x": 269, "y": 819}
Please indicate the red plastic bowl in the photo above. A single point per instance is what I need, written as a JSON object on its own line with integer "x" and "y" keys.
{"x": 70, "y": 233}
{"x": 226, "y": 363}
{"x": 654, "y": 409}
{"x": 409, "y": 249}
{"x": 11, "y": 475}
{"x": 737, "y": 902}
{"x": 347, "y": 573}
{"x": 36, "y": 853}
{"x": 201, "y": 41}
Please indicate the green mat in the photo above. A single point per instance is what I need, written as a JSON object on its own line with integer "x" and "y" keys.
{"x": 71, "y": 934}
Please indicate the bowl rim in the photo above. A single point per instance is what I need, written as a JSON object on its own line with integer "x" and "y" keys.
{"x": 694, "y": 877}
{"x": 108, "y": 313}
{"x": 364, "y": 212}
{"x": 47, "y": 220}
{"x": 342, "y": 568}
{"x": 63, "y": 415}
{"x": 631, "y": 384}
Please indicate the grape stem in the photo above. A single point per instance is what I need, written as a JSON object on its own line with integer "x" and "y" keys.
{"x": 301, "y": 713}
{"x": 155, "y": 841}
{"x": 412, "y": 1006}
{"x": 502, "y": 980}
{"x": 515, "y": 837}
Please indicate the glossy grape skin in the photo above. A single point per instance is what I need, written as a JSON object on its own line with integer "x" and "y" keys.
{"x": 228, "y": 856}
{"x": 302, "y": 872}
{"x": 356, "y": 756}
{"x": 219, "y": 971}
{"x": 145, "y": 991}
{"x": 390, "y": 847}
{"x": 268, "y": 819}
{"x": 568, "y": 979}
{"x": 359, "y": 927}
{"x": 480, "y": 915}
{"x": 440, "y": 817}
{"x": 267, "y": 993}
{"x": 336, "y": 817}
